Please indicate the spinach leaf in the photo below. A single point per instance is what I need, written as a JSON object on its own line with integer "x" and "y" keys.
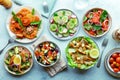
{"x": 33, "y": 11}
{"x": 88, "y": 26}
{"x": 97, "y": 27}
{"x": 103, "y": 16}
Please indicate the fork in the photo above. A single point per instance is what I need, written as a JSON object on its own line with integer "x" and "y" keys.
{"x": 9, "y": 41}
{"x": 104, "y": 44}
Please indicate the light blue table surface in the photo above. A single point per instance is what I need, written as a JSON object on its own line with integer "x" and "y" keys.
{"x": 37, "y": 72}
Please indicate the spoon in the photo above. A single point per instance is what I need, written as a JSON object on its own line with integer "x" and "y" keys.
{"x": 45, "y": 6}
{"x": 9, "y": 41}
{"x": 104, "y": 44}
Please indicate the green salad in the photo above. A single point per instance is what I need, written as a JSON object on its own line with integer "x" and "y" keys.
{"x": 63, "y": 23}
{"x": 82, "y": 53}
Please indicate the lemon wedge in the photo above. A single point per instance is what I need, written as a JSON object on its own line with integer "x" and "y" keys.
{"x": 94, "y": 53}
{"x": 17, "y": 60}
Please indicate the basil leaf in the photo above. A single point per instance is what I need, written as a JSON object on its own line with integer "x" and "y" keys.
{"x": 33, "y": 11}
{"x": 96, "y": 27}
{"x": 88, "y": 26}
{"x": 103, "y": 16}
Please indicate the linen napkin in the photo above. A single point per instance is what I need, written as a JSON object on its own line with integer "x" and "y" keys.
{"x": 58, "y": 67}
{"x": 38, "y": 4}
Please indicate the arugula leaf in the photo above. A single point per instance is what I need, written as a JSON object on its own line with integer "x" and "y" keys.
{"x": 97, "y": 27}
{"x": 88, "y": 26}
{"x": 103, "y": 16}
{"x": 36, "y": 23}
{"x": 33, "y": 11}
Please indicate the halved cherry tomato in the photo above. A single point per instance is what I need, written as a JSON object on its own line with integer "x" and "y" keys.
{"x": 118, "y": 60}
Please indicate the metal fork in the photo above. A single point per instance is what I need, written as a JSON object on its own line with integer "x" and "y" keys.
{"x": 9, "y": 41}
{"x": 104, "y": 44}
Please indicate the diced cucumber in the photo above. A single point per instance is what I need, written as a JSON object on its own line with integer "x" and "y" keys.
{"x": 16, "y": 50}
{"x": 59, "y": 35}
{"x": 72, "y": 31}
{"x": 7, "y": 62}
{"x": 52, "y": 45}
{"x": 87, "y": 26}
{"x": 68, "y": 13}
{"x": 65, "y": 30}
{"x": 10, "y": 53}
{"x": 53, "y": 27}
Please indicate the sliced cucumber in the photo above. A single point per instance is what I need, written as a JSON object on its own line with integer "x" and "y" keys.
{"x": 60, "y": 13}
{"x": 16, "y": 50}
{"x": 74, "y": 21}
{"x": 68, "y": 13}
{"x": 72, "y": 31}
{"x": 70, "y": 25}
{"x": 64, "y": 19}
{"x": 66, "y": 34}
{"x": 60, "y": 29}
{"x": 53, "y": 27}
{"x": 56, "y": 19}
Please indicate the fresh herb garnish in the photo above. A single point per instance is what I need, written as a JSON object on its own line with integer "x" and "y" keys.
{"x": 17, "y": 19}
{"x": 33, "y": 11}
{"x": 36, "y": 23}
{"x": 55, "y": 14}
{"x": 103, "y": 16}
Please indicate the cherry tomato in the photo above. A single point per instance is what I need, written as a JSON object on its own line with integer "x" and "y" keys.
{"x": 114, "y": 55}
{"x": 116, "y": 70}
{"x": 118, "y": 60}
{"x": 119, "y": 54}
{"x": 112, "y": 65}
{"x": 111, "y": 60}
{"x": 119, "y": 68}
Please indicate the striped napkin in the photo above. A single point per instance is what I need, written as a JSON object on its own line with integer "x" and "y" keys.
{"x": 58, "y": 67}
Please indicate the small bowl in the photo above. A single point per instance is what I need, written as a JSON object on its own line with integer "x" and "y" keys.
{"x": 58, "y": 54}
{"x": 98, "y": 35}
{"x": 107, "y": 64}
{"x": 13, "y": 72}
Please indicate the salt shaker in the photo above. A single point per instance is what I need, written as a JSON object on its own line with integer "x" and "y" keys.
{"x": 116, "y": 35}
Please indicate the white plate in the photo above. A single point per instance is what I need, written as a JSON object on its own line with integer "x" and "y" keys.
{"x": 12, "y": 35}
{"x": 64, "y": 38}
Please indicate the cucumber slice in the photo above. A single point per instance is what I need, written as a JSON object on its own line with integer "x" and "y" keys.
{"x": 74, "y": 21}
{"x": 16, "y": 50}
{"x": 64, "y": 19}
{"x": 65, "y": 30}
{"x": 60, "y": 13}
{"x": 60, "y": 29}
{"x": 53, "y": 27}
{"x": 56, "y": 19}
{"x": 72, "y": 31}
{"x": 70, "y": 25}
{"x": 66, "y": 34}
{"x": 68, "y": 13}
